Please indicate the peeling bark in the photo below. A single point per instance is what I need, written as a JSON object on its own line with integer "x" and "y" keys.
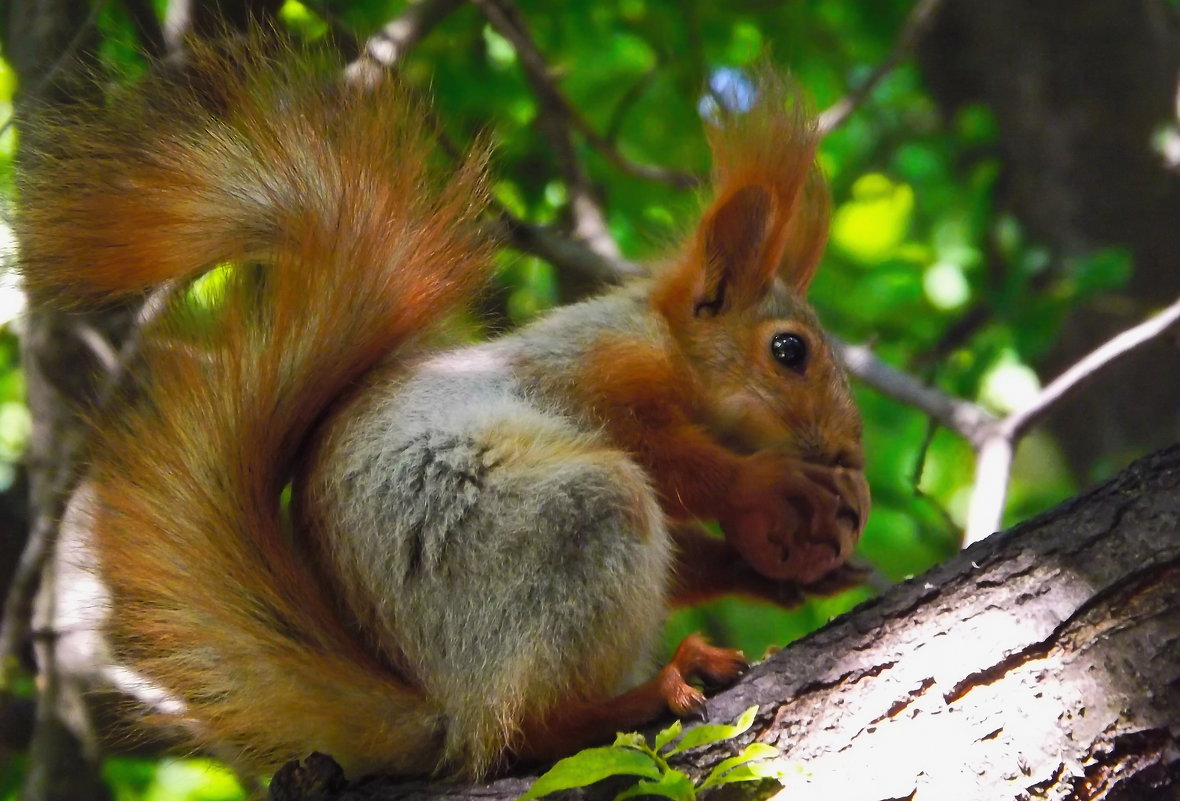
{"x": 1042, "y": 663}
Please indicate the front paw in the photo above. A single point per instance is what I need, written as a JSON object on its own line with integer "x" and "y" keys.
{"x": 794, "y": 521}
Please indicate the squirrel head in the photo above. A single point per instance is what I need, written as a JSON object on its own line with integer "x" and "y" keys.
{"x": 735, "y": 300}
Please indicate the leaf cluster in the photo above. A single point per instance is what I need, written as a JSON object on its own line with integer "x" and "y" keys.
{"x": 632, "y": 756}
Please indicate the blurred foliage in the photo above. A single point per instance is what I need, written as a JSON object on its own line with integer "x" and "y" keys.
{"x": 143, "y": 779}
{"x": 920, "y": 264}
{"x": 170, "y": 780}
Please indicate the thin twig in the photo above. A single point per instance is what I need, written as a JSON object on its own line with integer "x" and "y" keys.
{"x": 16, "y": 616}
{"x": 1089, "y": 366}
{"x": 969, "y": 420}
{"x": 589, "y": 219}
{"x": 626, "y": 102}
{"x": 916, "y": 479}
{"x": 650, "y": 172}
{"x": 567, "y": 255}
{"x": 147, "y": 26}
{"x": 508, "y": 21}
{"x": 989, "y": 491}
{"x": 994, "y": 463}
{"x": 386, "y": 49}
{"x": 98, "y": 345}
{"x": 916, "y": 25}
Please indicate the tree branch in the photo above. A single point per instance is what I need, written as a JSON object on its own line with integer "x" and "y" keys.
{"x": 508, "y": 21}
{"x": 568, "y": 256}
{"x": 969, "y": 420}
{"x": 995, "y": 439}
{"x": 589, "y": 220}
{"x": 68, "y": 56}
{"x": 1089, "y": 366}
{"x": 916, "y": 25}
{"x": 385, "y": 49}
{"x": 999, "y": 442}
{"x": 938, "y": 688}
{"x": 18, "y": 605}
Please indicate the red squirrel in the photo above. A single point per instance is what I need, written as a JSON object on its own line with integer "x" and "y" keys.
{"x": 482, "y": 541}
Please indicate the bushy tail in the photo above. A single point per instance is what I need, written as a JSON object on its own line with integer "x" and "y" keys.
{"x": 363, "y": 247}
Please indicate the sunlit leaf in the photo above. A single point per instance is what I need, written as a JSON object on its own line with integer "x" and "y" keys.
{"x": 300, "y": 18}
{"x": 715, "y": 732}
{"x": 669, "y": 734}
{"x": 207, "y": 292}
{"x": 1009, "y": 385}
{"x": 673, "y": 784}
{"x": 500, "y": 51}
{"x": 752, "y": 752}
{"x": 871, "y": 225}
{"x": 590, "y": 766}
{"x": 946, "y": 286}
{"x": 630, "y": 739}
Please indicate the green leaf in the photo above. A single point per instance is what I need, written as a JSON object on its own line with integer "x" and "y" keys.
{"x": 673, "y": 784}
{"x": 750, "y": 753}
{"x": 777, "y": 769}
{"x": 192, "y": 780}
{"x": 1102, "y": 271}
{"x": 592, "y": 765}
{"x": 630, "y": 739}
{"x": 716, "y": 732}
{"x": 746, "y": 773}
{"x": 668, "y": 735}
{"x": 870, "y": 226}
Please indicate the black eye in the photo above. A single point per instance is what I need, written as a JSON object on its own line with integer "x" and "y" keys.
{"x": 789, "y": 350}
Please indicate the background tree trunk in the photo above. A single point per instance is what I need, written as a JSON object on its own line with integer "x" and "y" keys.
{"x": 61, "y": 374}
{"x": 1043, "y": 662}
{"x": 1084, "y": 92}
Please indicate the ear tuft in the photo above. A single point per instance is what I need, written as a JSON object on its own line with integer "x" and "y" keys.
{"x": 769, "y": 214}
{"x": 771, "y": 145}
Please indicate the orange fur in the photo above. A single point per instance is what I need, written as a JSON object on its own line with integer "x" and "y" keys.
{"x": 576, "y": 725}
{"x": 646, "y": 400}
{"x": 764, "y": 175}
{"x": 772, "y": 146}
{"x": 367, "y": 248}
{"x": 234, "y": 612}
{"x": 725, "y": 432}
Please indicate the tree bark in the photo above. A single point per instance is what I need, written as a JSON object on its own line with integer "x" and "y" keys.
{"x": 1043, "y": 662}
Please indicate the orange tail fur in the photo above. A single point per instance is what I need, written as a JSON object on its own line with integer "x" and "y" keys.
{"x": 363, "y": 248}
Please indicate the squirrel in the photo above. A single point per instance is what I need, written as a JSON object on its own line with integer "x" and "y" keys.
{"x": 482, "y": 540}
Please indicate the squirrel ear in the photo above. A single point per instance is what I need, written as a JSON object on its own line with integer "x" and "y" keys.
{"x": 807, "y": 233}
{"x": 733, "y": 245}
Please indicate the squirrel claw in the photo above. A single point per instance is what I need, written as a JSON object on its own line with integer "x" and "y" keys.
{"x": 696, "y": 658}
{"x": 684, "y": 700}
